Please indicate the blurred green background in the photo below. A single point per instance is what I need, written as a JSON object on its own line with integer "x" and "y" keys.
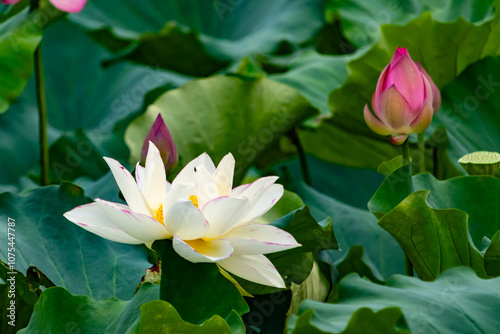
{"x": 254, "y": 78}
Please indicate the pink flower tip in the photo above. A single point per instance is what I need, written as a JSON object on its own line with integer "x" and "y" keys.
{"x": 401, "y": 51}
{"x": 70, "y": 6}
{"x": 160, "y": 136}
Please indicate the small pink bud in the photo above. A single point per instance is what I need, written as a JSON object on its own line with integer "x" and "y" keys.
{"x": 160, "y": 136}
{"x": 402, "y": 101}
{"x": 70, "y": 6}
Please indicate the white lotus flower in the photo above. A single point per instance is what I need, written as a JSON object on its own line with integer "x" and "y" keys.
{"x": 206, "y": 219}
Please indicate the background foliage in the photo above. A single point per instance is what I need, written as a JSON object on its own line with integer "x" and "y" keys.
{"x": 255, "y": 78}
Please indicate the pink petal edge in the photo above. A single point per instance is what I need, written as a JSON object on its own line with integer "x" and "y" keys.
{"x": 70, "y": 6}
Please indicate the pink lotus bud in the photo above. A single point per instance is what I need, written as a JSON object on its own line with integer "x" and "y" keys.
{"x": 402, "y": 101}
{"x": 436, "y": 95}
{"x": 160, "y": 136}
{"x": 70, "y": 6}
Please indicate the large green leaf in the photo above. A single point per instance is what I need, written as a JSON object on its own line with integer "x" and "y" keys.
{"x": 315, "y": 75}
{"x": 20, "y": 118}
{"x": 469, "y": 110}
{"x": 353, "y": 262}
{"x": 361, "y": 20}
{"x": 228, "y": 30}
{"x": 60, "y": 311}
{"x": 289, "y": 202}
{"x": 434, "y": 240}
{"x": 363, "y": 320}
{"x": 73, "y": 155}
{"x": 104, "y": 188}
{"x": 445, "y": 50}
{"x": 457, "y": 302}
{"x": 476, "y": 195}
{"x": 354, "y": 226}
{"x": 223, "y": 114}
{"x": 70, "y": 256}
{"x": 97, "y": 96}
{"x": 313, "y": 237}
{"x": 162, "y": 318}
{"x": 175, "y": 49}
{"x": 19, "y": 37}
{"x": 342, "y": 141}
{"x": 57, "y": 310}
{"x": 352, "y": 186}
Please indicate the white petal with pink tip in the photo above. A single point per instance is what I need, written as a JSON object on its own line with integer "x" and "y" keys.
{"x": 255, "y": 268}
{"x": 254, "y": 190}
{"x": 266, "y": 201}
{"x": 136, "y": 225}
{"x": 140, "y": 176}
{"x": 129, "y": 188}
{"x": 91, "y": 218}
{"x": 255, "y": 239}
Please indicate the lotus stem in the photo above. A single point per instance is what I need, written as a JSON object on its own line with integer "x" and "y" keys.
{"x": 408, "y": 266}
{"x": 42, "y": 117}
{"x": 421, "y": 149}
{"x": 304, "y": 167}
{"x": 406, "y": 160}
{"x": 42, "y": 110}
{"x": 406, "y": 151}
{"x": 438, "y": 164}
{"x": 164, "y": 249}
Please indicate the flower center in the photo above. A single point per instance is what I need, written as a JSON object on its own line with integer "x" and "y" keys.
{"x": 194, "y": 200}
{"x": 158, "y": 214}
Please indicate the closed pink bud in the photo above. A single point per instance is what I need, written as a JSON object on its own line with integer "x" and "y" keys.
{"x": 402, "y": 101}
{"x": 160, "y": 136}
{"x": 70, "y": 6}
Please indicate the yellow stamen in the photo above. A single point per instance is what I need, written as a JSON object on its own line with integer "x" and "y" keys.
{"x": 194, "y": 200}
{"x": 158, "y": 214}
